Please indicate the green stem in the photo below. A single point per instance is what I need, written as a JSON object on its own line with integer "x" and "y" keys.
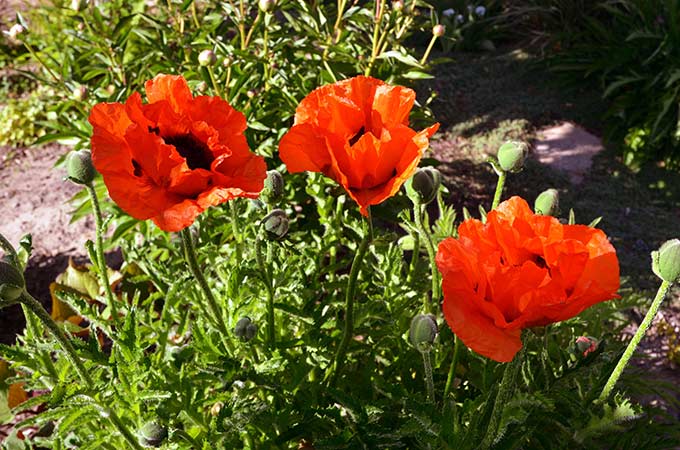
{"x": 376, "y": 38}
{"x": 499, "y": 189}
{"x": 429, "y": 246}
{"x": 235, "y": 228}
{"x": 505, "y": 391}
{"x": 454, "y": 364}
{"x": 428, "y": 50}
{"x": 101, "y": 263}
{"x": 264, "y": 270}
{"x": 190, "y": 256}
{"x": 632, "y": 345}
{"x": 252, "y": 28}
{"x": 348, "y": 331}
{"x": 213, "y": 80}
{"x": 415, "y": 257}
{"x": 37, "y": 309}
{"x": 118, "y": 423}
{"x": 429, "y": 382}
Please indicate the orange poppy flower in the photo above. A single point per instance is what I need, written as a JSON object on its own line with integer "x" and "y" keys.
{"x": 174, "y": 157}
{"x": 356, "y": 132}
{"x": 521, "y": 270}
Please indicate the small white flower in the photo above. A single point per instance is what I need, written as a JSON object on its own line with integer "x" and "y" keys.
{"x": 15, "y": 31}
{"x": 448, "y": 12}
{"x": 480, "y": 11}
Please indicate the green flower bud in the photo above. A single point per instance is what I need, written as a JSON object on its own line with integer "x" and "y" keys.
{"x": 511, "y": 156}
{"x": 398, "y": 5}
{"x": 152, "y": 434}
{"x": 267, "y": 6}
{"x": 423, "y": 331}
{"x": 207, "y": 58}
{"x": 438, "y": 30}
{"x": 547, "y": 203}
{"x": 11, "y": 282}
{"x": 424, "y": 185}
{"x": 273, "y": 187}
{"x": 666, "y": 261}
{"x": 245, "y": 329}
{"x": 79, "y": 167}
{"x": 276, "y": 224}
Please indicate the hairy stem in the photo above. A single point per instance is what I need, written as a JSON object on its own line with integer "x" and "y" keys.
{"x": 632, "y": 345}
{"x": 499, "y": 189}
{"x": 429, "y": 246}
{"x": 99, "y": 246}
{"x": 192, "y": 260}
{"x": 348, "y": 331}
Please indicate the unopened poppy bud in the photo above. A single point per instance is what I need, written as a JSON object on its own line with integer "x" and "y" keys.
{"x": 276, "y": 224}
{"x": 438, "y": 30}
{"x": 245, "y": 329}
{"x": 152, "y": 434}
{"x": 267, "y": 6}
{"x": 666, "y": 261}
{"x": 398, "y": 5}
{"x": 273, "y": 187}
{"x": 250, "y": 93}
{"x": 547, "y": 203}
{"x": 11, "y": 282}
{"x": 424, "y": 185}
{"x": 207, "y": 58}
{"x": 226, "y": 62}
{"x": 586, "y": 345}
{"x": 80, "y": 93}
{"x": 79, "y": 167}
{"x": 511, "y": 156}
{"x": 423, "y": 331}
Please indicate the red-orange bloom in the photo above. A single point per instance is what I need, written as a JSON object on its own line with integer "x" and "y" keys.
{"x": 356, "y": 132}
{"x": 521, "y": 270}
{"x": 174, "y": 157}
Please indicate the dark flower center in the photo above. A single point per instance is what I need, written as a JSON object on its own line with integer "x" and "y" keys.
{"x": 357, "y": 136}
{"x": 197, "y": 153}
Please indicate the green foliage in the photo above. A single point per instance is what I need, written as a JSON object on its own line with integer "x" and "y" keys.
{"x": 628, "y": 49}
{"x": 23, "y": 119}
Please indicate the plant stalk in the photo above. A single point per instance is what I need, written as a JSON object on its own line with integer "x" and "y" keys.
{"x": 505, "y": 391}
{"x": 632, "y": 345}
{"x": 429, "y": 381}
{"x": 101, "y": 261}
{"x": 499, "y": 189}
{"x": 192, "y": 260}
{"x": 429, "y": 246}
{"x": 348, "y": 331}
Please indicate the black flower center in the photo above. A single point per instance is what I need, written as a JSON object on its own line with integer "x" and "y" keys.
{"x": 197, "y": 153}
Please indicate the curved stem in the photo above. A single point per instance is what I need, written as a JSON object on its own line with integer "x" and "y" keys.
{"x": 414, "y": 257}
{"x": 505, "y": 391}
{"x": 348, "y": 331}
{"x": 37, "y": 309}
{"x": 632, "y": 345}
{"x": 101, "y": 263}
{"x": 429, "y": 246}
{"x": 190, "y": 256}
{"x": 429, "y": 382}
{"x": 380, "y": 8}
{"x": 118, "y": 423}
{"x": 499, "y": 189}
{"x": 235, "y": 228}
